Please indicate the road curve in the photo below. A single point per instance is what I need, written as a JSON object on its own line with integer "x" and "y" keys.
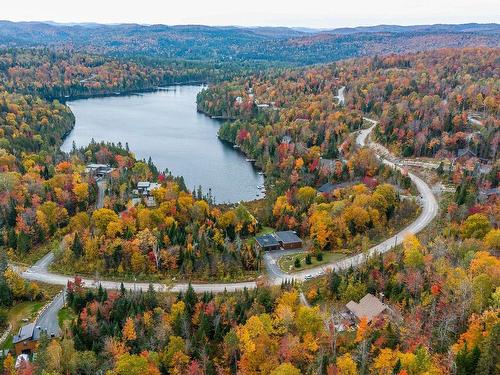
{"x": 39, "y": 272}
{"x": 429, "y": 212}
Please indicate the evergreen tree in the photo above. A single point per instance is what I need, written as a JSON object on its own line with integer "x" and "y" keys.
{"x": 77, "y": 246}
{"x": 490, "y": 352}
{"x": 190, "y": 299}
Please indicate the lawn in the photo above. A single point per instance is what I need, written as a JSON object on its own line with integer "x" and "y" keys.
{"x": 265, "y": 230}
{"x": 65, "y": 314}
{"x": 16, "y": 314}
{"x": 286, "y": 262}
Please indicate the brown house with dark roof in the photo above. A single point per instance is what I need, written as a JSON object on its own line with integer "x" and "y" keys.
{"x": 26, "y": 340}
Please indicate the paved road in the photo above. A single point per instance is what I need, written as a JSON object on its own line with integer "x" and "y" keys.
{"x": 429, "y": 212}
{"x": 39, "y": 271}
{"x": 101, "y": 189}
{"x": 48, "y": 320}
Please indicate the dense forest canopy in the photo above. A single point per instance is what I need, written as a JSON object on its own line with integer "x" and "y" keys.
{"x": 299, "y": 125}
{"x": 280, "y": 44}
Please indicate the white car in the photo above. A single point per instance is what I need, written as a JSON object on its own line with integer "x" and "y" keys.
{"x": 308, "y": 277}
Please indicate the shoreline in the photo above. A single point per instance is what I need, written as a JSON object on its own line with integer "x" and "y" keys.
{"x": 128, "y": 92}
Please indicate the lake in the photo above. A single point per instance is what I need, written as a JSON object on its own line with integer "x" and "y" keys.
{"x": 165, "y": 126}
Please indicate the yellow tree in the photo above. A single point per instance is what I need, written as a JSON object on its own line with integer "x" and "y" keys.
{"x": 413, "y": 251}
{"x": 286, "y": 369}
{"x": 81, "y": 191}
{"x": 102, "y": 217}
{"x": 346, "y": 365}
{"x": 385, "y": 361}
{"x": 8, "y": 365}
{"x": 128, "y": 332}
{"x": 492, "y": 239}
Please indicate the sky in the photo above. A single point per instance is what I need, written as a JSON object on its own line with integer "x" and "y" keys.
{"x": 298, "y": 13}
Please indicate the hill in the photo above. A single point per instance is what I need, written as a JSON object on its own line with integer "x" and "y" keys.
{"x": 272, "y": 44}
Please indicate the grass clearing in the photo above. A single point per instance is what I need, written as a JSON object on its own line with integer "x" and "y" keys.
{"x": 287, "y": 262}
{"x": 16, "y": 314}
{"x": 23, "y": 310}
{"x": 65, "y": 314}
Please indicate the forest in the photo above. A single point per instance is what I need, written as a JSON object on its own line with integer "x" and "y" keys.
{"x": 441, "y": 287}
{"x": 275, "y": 45}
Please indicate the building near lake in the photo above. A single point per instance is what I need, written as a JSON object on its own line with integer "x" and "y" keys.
{"x": 286, "y": 240}
{"x": 289, "y": 240}
{"x": 267, "y": 242}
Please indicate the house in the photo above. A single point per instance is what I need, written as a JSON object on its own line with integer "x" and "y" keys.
{"x": 279, "y": 240}
{"x": 145, "y": 191}
{"x": 329, "y": 188}
{"x": 98, "y": 170}
{"x": 145, "y": 188}
{"x": 267, "y": 242}
{"x": 288, "y": 239}
{"x": 26, "y": 340}
{"x": 369, "y": 307}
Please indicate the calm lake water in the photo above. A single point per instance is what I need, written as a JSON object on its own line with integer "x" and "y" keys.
{"x": 165, "y": 126}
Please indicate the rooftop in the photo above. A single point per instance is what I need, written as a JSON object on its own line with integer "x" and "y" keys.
{"x": 329, "y": 187}
{"x": 267, "y": 240}
{"x": 25, "y": 333}
{"x": 95, "y": 166}
{"x": 288, "y": 236}
{"x": 369, "y": 307}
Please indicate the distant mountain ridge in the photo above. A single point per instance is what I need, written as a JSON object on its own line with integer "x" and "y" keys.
{"x": 282, "y": 44}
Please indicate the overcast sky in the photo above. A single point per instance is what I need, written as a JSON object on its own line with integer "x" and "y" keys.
{"x": 305, "y": 13}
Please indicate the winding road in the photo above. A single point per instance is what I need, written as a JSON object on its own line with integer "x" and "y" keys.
{"x": 40, "y": 272}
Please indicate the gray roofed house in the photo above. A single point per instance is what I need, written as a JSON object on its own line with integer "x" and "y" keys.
{"x": 98, "y": 170}
{"x": 26, "y": 339}
{"x": 288, "y": 239}
{"x": 267, "y": 242}
{"x": 328, "y": 188}
{"x": 369, "y": 307}
{"x": 25, "y": 332}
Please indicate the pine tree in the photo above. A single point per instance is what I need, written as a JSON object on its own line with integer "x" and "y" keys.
{"x": 190, "y": 299}
{"x": 77, "y": 246}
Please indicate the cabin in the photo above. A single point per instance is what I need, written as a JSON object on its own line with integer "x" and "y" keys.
{"x": 369, "y": 307}
{"x": 98, "y": 170}
{"x": 26, "y": 340}
{"x": 267, "y": 242}
{"x": 288, "y": 239}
